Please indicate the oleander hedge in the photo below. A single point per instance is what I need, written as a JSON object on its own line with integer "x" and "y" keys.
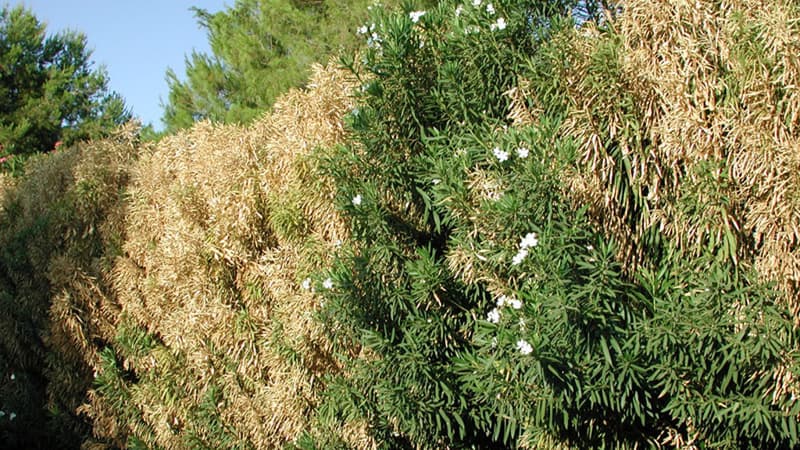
{"x": 504, "y": 224}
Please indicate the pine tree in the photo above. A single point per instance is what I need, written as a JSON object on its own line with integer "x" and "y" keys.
{"x": 49, "y": 88}
{"x": 260, "y": 49}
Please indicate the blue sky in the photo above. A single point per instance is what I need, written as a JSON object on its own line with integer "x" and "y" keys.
{"x": 136, "y": 40}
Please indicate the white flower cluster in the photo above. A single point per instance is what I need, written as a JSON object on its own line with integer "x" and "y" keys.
{"x": 364, "y": 29}
{"x": 11, "y": 416}
{"x": 529, "y": 241}
{"x": 328, "y": 283}
{"x": 503, "y": 155}
{"x": 524, "y": 347}
{"x": 494, "y": 317}
{"x": 510, "y": 301}
{"x": 494, "y": 314}
{"x": 373, "y": 39}
{"x": 500, "y": 154}
{"x": 415, "y": 15}
{"x": 498, "y": 25}
{"x": 494, "y": 195}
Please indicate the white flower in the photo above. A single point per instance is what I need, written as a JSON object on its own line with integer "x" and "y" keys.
{"x": 493, "y": 316}
{"x": 501, "y": 301}
{"x": 415, "y": 15}
{"x": 530, "y": 240}
{"x": 521, "y": 254}
{"x": 459, "y": 10}
{"x": 524, "y": 347}
{"x": 476, "y": 3}
{"x": 357, "y": 200}
{"x": 436, "y": 181}
{"x": 500, "y": 24}
{"x": 2, "y": 413}
{"x": 13, "y": 376}
{"x": 374, "y": 41}
{"x": 590, "y": 247}
{"x": 494, "y": 195}
{"x": 490, "y": 8}
{"x": 12, "y": 416}
{"x": 501, "y": 155}
{"x": 363, "y": 29}
{"x": 328, "y": 283}
{"x": 494, "y": 342}
{"x": 472, "y": 29}
{"x": 306, "y": 284}
{"x": 337, "y": 243}
{"x": 522, "y": 323}
{"x": 516, "y": 304}
{"x": 523, "y": 152}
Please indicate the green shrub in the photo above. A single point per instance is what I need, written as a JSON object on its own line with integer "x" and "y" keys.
{"x": 490, "y": 305}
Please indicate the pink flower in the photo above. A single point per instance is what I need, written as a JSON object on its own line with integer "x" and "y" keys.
{"x": 3, "y": 159}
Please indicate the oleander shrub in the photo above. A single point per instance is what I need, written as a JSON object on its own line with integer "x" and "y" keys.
{"x": 216, "y": 346}
{"x": 548, "y": 250}
{"x": 62, "y": 225}
{"x": 505, "y": 224}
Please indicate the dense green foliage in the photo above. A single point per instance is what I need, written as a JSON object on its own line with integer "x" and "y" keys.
{"x": 50, "y": 91}
{"x": 260, "y": 49}
{"x": 493, "y": 310}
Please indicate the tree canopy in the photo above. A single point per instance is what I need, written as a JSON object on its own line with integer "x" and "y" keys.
{"x": 49, "y": 88}
{"x": 260, "y": 49}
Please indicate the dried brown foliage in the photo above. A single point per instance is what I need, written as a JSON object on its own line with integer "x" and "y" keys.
{"x": 687, "y": 119}
{"x": 223, "y": 223}
{"x": 64, "y": 219}
{"x": 686, "y": 115}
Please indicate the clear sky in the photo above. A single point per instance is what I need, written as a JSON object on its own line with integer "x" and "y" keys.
{"x": 136, "y": 40}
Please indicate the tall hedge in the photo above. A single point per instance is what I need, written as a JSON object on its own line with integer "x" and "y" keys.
{"x": 512, "y": 224}
{"x": 539, "y": 257}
